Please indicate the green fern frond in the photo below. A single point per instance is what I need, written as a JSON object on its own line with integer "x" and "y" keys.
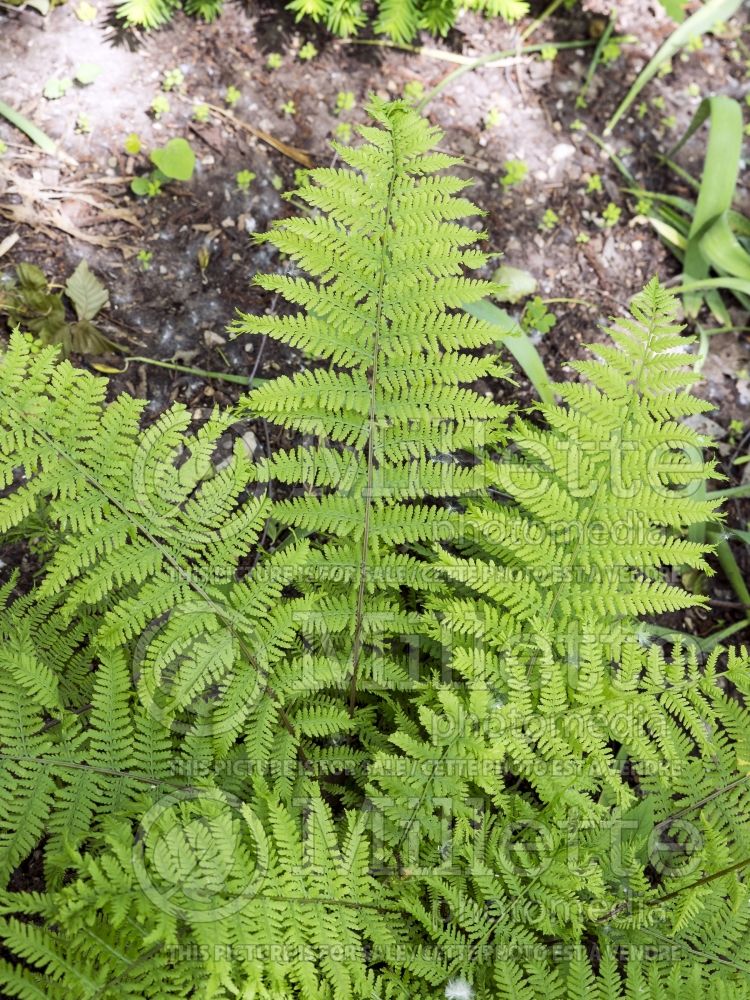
{"x": 147, "y": 13}
{"x": 380, "y": 307}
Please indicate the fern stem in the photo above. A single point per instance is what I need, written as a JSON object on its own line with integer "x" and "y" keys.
{"x": 622, "y": 907}
{"x": 201, "y": 372}
{"x": 494, "y": 57}
{"x": 359, "y": 612}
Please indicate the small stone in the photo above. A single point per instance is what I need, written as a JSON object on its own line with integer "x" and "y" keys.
{"x": 213, "y": 339}
{"x": 562, "y": 151}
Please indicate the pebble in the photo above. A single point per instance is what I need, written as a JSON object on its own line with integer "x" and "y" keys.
{"x": 562, "y": 151}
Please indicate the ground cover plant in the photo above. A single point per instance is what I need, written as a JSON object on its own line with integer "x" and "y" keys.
{"x": 422, "y": 745}
{"x": 399, "y": 20}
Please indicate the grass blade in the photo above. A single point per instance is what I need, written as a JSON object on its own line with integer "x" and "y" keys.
{"x": 729, "y": 283}
{"x": 730, "y": 492}
{"x": 718, "y": 182}
{"x": 729, "y": 564}
{"x": 517, "y": 341}
{"x": 723, "y": 250}
{"x": 674, "y": 239}
{"x": 34, "y": 133}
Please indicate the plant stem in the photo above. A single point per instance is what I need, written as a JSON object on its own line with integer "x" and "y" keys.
{"x": 202, "y": 372}
{"x": 493, "y": 57}
{"x": 546, "y": 13}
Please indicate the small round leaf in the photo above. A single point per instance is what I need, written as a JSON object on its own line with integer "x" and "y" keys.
{"x": 176, "y": 160}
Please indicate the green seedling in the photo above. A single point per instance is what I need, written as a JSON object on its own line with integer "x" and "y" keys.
{"x": 172, "y": 79}
{"x": 414, "y": 91}
{"x": 56, "y": 88}
{"x": 159, "y": 106}
{"x": 549, "y": 220}
{"x": 344, "y": 101}
{"x": 86, "y": 73}
{"x": 611, "y": 215}
{"x": 343, "y": 132}
{"x": 516, "y": 171}
{"x": 244, "y": 179}
{"x": 173, "y": 161}
{"x": 537, "y": 317}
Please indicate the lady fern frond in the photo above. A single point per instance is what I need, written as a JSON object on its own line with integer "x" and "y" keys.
{"x": 386, "y": 261}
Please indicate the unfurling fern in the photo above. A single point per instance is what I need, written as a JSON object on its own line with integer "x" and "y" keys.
{"x": 424, "y": 747}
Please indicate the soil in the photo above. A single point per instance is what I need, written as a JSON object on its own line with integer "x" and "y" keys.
{"x": 199, "y": 233}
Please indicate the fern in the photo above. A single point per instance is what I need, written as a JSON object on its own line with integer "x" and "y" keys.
{"x": 388, "y": 269}
{"x": 426, "y": 745}
{"x": 400, "y": 20}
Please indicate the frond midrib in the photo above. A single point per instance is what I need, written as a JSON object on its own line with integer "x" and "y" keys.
{"x": 382, "y": 275}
